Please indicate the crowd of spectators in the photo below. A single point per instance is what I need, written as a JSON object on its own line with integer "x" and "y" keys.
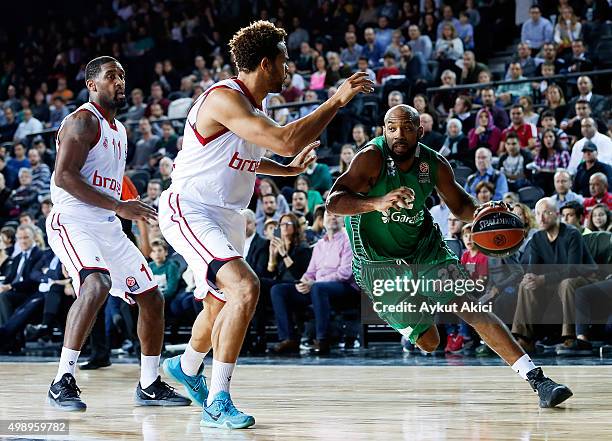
{"x": 547, "y": 135}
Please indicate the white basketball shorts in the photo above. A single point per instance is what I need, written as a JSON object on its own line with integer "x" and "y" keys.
{"x": 102, "y": 245}
{"x": 204, "y": 235}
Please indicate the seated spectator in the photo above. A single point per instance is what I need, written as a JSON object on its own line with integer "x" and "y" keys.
{"x": 347, "y": 153}
{"x": 8, "y": 129}
{"x": 420, "y": 44}
{"x": 485, "y": 172}
{"x": 447, "y": 18}
{"x": 326, "y": 282}
{"x": 290, "y": 93}
{"x": 513, "y": 163}
{"x": 165, "y": 272}
{"x": 470, "y": 69}
{"x": 157, "y": 97}
{"x": 360, "y": 137}
{"x": 579, "y": 62}
{"x": 526, "y": 133}
{"x": 164, "y": 172}
{"x": 484, "y": 193}
{"x": 47, "y": 155}
{"x": 485, "y": 134}
{"x": 563, "y": 248}
{"x": 373, "y": 50}
{"x": 423, "y": 105}
{"x": 539, "y": 88}
{"x": 582, "y": 110}
{"x": 302, "y": 183}
{"x": 600, "y": 218}
{"x": 429, "y": 24}
{"x": 25, "y": 197}
{"x": 138, "y": 107}
{"x": 19, "y": 159}
{"x": 536, "y": 31}
{"x": 317, "y": 79}
{"x": 465, "y": 30}
{"x": 362, "y": 66}
{"x": 63, "y": 91}
{"x": 529, "y": 115}
{"x": 548, "y": 55}
{"x": 500, "y": 117}
{"x": 389, "y": 68}
{"x": 455, "y": 146}
{"x": 590, "y": 166}
{"x": 281, "y": 115}
{"x": 413, "y": 66}
{"x": 28, "y": 126}
{"x": 309, "y": 96}
{"x": 440, "y": 214}
{"x": 444, "y": 101}
{"x": 336, "y": 71}
{"x": 449, "y": 47}
{"x": 567, "y": 29}
{"x": 563, "y": 193}
{"x": 167, "y": 143}
{"x": 154, "y": 191}
{"x": 7, "y": 242}
{"x": 299, "y": 205}
{"x": 269, "y": 209}
{"x": 351, "y": 53}
{"x": 510, "y": 93}
{"x": 320, "y": 177}
{"x": 585, "y": 92}
{"x": 529, "y": 224}
{"x": 297, "y": 80}
{"x": 41, "y": 175}
{"x": 524, "y": 59}
{"x": 598, "y": 188}
{"x": 462, "y": 110}
{"x": 305, "y": 61}
{"x": 430, "y": 138}
{"x": 548, "y": 121}
{"x": 40, "y": 108}
{"x": 510, "y": 198}
{"x": 549, "y": 158}
{"x": 58, "y": 113}
{"x": 19, "y": 284}
{"x": 145, "y": 146}
{"x": 555, "y": 101}
{"x": 596, "y": 141}
{"x": 474, "y": 261}
{"x": 267, "y": 186}
{"x": 572, "y": 213}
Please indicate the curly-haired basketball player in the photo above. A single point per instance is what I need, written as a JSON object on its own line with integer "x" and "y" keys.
{"x": 226, "y": 135}
{"x": 383, "y": 195}
{"x": 86, "y": 235}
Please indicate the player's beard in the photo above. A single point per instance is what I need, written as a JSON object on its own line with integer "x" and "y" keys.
{"x": 404, "y": 156}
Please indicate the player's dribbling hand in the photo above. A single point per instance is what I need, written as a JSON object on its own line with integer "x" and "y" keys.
{"x": 358, "y": 82}
{"x": 136, "y": 210}
{"x": 399, "y": 198}
{"x": 481, "y": 207}
{"x": 303, "y": 159}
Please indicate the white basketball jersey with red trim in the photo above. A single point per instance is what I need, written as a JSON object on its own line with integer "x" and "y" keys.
{"x": 216, "y": 168}
{"x": 103, "y": 168}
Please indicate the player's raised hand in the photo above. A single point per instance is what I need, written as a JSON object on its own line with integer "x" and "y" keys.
{"x": 399, "y": 198}
{"x": 135, "y": 209}
{"x": 303, "y": 159}
{"x": 358, "y": 82}
{"x": 481, "y": 207}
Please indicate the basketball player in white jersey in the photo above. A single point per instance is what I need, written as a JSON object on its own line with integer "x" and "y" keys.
{"x": 226, "y": 134}
{"x": 86, "y": 235}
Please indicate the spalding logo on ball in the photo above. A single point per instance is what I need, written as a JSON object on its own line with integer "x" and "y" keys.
{"x": 497, "y": 232}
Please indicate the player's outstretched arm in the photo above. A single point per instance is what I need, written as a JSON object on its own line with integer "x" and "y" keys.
{"x": 346, "y": 195}
{"x": 78, "y": 136}
{"x": 231, "y": 110}
{"x": 460, "y": 203}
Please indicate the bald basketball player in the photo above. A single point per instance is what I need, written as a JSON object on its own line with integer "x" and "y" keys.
{"x": 383, "y": 195}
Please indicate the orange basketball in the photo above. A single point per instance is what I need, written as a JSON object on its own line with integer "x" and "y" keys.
{"x": 497, "y": 232}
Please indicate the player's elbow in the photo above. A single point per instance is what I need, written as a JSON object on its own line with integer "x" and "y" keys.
{"x": 331, "y": 203}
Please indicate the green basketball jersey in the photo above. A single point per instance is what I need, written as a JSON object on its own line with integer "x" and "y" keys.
{"x": 407, "y": 234}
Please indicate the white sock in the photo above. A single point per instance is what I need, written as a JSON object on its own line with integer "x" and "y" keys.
{"x": 523, "y": 365}
{"x": 67, "y": 364}
{"x": 149, "y": 369}
{"x": 191, "y": 360}
{"x": 221, "y": 377}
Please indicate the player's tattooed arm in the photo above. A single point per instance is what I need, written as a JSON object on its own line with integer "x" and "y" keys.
{"x": 346, "y": 196}
{"x": 460, "y": 203}
{"x": 79, "y": 134}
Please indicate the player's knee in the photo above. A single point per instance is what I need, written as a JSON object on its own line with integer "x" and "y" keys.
{"x": 248, "y": 293}
{"x": 151, "y": 300}
{"x": 95, "y": 286}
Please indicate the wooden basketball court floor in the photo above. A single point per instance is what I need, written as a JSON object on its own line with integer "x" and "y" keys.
{"x": 344, "y": 403}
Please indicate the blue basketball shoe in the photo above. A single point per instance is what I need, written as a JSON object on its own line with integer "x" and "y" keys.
{"x": 223, "y": 414}
{"x": 195, "y": 385}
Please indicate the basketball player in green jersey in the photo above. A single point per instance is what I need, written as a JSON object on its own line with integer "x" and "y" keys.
{"x": 383, "y": 195}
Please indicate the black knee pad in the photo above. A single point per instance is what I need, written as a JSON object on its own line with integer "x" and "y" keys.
{"x": 87, "y": 271}
{"x": 213, "y": 269}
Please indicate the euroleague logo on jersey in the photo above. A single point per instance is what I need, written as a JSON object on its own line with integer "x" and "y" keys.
{"x": 424, "y": 173}
{"x": 132, "y": 284}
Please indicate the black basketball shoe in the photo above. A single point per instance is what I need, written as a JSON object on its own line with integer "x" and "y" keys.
{"x": 550, "y": 393}
{"x": 65, "y": 395}
{"x": 159, "y": 393}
